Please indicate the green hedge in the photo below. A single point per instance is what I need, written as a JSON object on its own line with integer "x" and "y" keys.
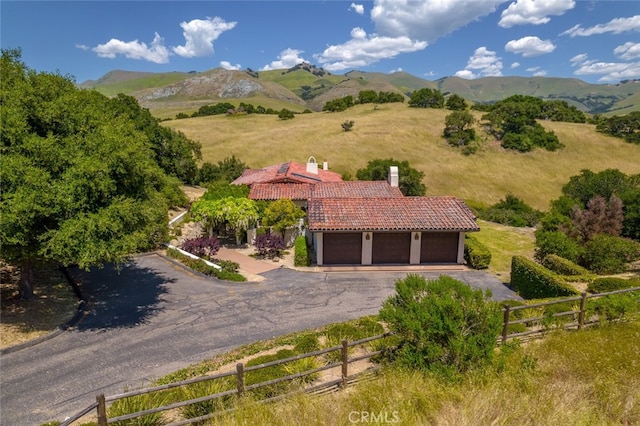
{"x": 606, "y": 284}
{"x": 301, "y": 256}
{"x": 476, "y": 254}
{"x": 228, "y": 272}
{"x": 534, "y": 281}
{"x": 569, "y": 270}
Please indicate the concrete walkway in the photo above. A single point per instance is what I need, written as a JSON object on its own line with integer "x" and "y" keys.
{"x": 248, "y": 264}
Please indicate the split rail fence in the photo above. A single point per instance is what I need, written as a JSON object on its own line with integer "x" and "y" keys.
{"x": 536, "y": 325}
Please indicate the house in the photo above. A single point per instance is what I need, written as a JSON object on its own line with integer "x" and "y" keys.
{"x": 367, "y": 222}
{"x": 396, "y": 230}
{"x": 290, "y": 172}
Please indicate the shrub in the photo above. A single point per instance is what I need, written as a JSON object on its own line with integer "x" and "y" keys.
{"x": 606, "y": 254}
{"x": 203, "y": 268}
{"x": 513, "y": 212}
{"x": 534, "y": 281}
{"x": 606, "y": 284}
{"x": 567, "y": 268}
{"x": 269, "y": 245}
{"x": 476, "y": 254}
{"x": 616, "y": 306}
{"x": 555, "y": 242}
{"x": 205, "y": 247}
{"x": 443, "y": 325}
{"x": 307, "y": 343}
{"x": 301, "y": 256}
{"x": 348, "y": 125}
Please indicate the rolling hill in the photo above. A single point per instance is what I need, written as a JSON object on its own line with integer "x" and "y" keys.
{"x": 306, "y": 86}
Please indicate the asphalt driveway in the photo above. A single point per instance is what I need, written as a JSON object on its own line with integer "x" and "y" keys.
{"x": 152, "y": 317}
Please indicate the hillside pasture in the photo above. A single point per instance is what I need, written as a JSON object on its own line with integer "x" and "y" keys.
{"x": 413, "y": 134}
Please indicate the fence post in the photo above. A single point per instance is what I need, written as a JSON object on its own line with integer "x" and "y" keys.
{"x": 345, "y": 363}
{"x": 583, "y": 304}
{"x": 505, "y": 323}
{"x": 240, "y": 378}
{"x": 102, "y": 410}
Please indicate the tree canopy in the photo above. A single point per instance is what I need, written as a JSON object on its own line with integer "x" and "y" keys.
{"x": 410, "y": 179}
{"x": 80, "y": 184}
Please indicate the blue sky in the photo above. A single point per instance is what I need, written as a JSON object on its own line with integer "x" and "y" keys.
{"x": 596, "y": 41}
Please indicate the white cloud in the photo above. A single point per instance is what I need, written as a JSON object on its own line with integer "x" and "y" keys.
{"x": 578, "y": 59}
{"x": 466, "y": 74}
{"x": 83, "y": 47}
{"x": 483, "y": 60}
{"x": 515, "y": 65}
{"x": 288, "y": 58}
{"x": 530, "y": 46}
{"x": 427, "y": 19}
{"x": 363, "y": 50}
{"x": 615, "y": 26}
{"x": 396, "y": 70}
{"x": 357, "y": 8}
{"x": 227, "y": 66}
{"x": 610, "y": 71}
{"x": 534, "y": 12}
{"x": 537, "y": 71}
{"x": 199, "y": 36}
{"x": 134, "y": 50}
{"x": 628, "y": 51}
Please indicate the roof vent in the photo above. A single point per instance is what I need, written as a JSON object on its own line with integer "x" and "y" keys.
{"x": 312, "y": 165}
{"x": 394, "y": 176}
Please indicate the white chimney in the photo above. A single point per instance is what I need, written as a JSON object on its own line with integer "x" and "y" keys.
{"x": 312, "y": 166}
{"x": 393, "y": 176}
{"x": 325, "y": 165}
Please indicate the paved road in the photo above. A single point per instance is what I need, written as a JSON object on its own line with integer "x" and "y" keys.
{"x": 153, "y": 318}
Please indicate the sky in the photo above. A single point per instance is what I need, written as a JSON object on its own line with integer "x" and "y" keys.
{"x": 595, "y": 41}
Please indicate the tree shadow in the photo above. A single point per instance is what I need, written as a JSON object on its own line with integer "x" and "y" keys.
{"x": 121, "y": 296}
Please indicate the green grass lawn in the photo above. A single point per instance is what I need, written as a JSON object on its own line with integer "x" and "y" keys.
{"x": 504, "y": 242}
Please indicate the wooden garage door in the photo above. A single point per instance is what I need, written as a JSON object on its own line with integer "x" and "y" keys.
{"x": 391, "y": 247}
{"x": 342, "y": 248}
{"x": 439, "y": 247}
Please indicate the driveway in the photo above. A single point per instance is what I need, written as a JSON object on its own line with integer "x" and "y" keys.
{"x": 153, "y": 317}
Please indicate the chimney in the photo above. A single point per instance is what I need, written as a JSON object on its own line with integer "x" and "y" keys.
{"x": 325, "y": 165}
{"x": 393, "y": 176}
{"x": 312, "y": 165}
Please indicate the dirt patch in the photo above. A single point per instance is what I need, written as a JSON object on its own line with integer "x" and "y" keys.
{"x": 54, "y": 303}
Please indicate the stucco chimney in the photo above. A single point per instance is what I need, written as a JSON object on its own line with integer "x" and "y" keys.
{"x": 325, "y": 165}
{"x": 312, "y": 165}
{"x": 394, "y": 178}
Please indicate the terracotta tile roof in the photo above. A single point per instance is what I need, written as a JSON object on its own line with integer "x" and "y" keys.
{"x": 276, "y": 191}
{"x": 355, "y": 189}
{"x": 286, "y": 173}
{"x": 387, "y": 214}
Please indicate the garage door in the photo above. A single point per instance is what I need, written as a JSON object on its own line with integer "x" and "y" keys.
{"x": 342, "y": 248}
{"x": 391, "y": 247}
{"x": 439, "y": 247}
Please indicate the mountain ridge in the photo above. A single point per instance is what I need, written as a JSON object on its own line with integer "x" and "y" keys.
{"x": 310, "y": 87}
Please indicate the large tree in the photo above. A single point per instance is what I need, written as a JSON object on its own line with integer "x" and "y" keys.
{"x": 410, "y": 179}
{"x": 79, "y": 180}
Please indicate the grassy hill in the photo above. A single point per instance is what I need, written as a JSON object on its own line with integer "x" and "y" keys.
{"x": 311, "y": 87}
{"x": 413, "y": 134}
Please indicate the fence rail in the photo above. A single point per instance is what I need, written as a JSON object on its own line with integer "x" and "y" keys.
{"x": 240, "y": 371}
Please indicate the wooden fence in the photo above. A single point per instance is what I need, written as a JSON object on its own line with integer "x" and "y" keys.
{"x": 536, "y": 325}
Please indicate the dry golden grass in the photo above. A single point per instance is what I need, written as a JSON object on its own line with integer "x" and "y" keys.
{"x": 413, "y": 134}
{"x": 590, "y": 377}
